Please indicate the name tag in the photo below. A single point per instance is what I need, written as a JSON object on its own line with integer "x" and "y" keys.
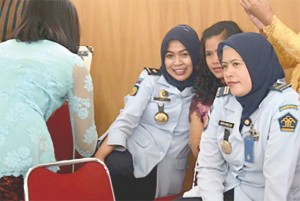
{"x": 226, "y": 124}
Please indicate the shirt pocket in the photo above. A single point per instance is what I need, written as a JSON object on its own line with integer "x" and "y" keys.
{"x": 140, "y": 137}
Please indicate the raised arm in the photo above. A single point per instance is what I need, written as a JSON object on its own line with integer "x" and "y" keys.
{"x": 285, "y": 41}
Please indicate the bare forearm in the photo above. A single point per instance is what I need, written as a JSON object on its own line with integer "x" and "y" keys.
{"x": 104, "y": 150}
{"x": 196, "y": 128}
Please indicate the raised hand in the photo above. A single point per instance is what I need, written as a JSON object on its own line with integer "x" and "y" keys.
{"x": 259, "y": 11}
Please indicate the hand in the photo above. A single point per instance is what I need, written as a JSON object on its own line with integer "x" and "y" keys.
{"x": 255, "y": 21}
{"x": 104, "y": 150}
{"x": 259, "y": 11}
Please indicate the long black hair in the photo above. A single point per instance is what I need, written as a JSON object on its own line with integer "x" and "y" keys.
{"x": 206, "y": 84}
{"x": 56, "y": 21}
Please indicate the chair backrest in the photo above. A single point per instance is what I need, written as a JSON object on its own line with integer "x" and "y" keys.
{"x": 90, "y": 182}
{"x": 60, "y": 129}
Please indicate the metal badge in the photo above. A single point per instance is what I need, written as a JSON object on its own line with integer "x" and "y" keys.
{"x": 163, "y": 94}
{"x": 247, "y": 122}
{"x": 253, "y": 133}
{"x": 161, "y": 117}
{"x": 225, "y": 144}
{"x": 226, "y": 147}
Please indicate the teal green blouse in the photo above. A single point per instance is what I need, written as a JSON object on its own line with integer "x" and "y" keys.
{"x": 36, "y": 79}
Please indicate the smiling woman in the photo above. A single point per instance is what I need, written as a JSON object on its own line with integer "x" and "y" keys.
{"x": 146, "y": 148}
{"x": 178, "y": 61}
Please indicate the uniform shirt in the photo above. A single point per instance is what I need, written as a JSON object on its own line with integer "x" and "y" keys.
{"x": 271, "y": 172}
{"x": 287, "y": 46}
{"x": 149, "y": 142}
{"x": 36, "y": 79}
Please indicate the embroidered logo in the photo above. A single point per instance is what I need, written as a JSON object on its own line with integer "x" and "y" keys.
{"x": 285, "y": 107}
{"x": 134, "y": 90}
{"x": 288, "y": 123}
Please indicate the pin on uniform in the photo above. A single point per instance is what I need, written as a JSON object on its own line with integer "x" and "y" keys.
{"x": 161, "y": 117}
{"x": 225, "y": 144}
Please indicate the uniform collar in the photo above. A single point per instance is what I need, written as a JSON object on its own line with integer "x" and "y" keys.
{"x": 172, "y": 89}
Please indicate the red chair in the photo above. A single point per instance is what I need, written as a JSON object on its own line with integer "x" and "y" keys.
{"x": 89, "y": 182}
{"x": 60, "y": 129}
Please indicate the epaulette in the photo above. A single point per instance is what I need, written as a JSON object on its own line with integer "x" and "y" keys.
{"x": 223, "y": 91}
{"x": 279, "y": 86}
{"x": 152, "y": 71}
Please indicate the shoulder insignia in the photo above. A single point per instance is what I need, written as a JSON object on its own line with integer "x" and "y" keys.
{"x": 139, "y": 81}
{"x": 223, "y": 91}
{"x": 287, "y": 123}
{"x": 134, "y": 90}
{"x": 152, "y": 71}
{"x": 280, "y": 86}
{"x": 289, "y": 106}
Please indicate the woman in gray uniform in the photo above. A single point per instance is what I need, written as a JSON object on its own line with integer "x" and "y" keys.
{"x": 253, "y": 127}
{"x": 146, "y": 149}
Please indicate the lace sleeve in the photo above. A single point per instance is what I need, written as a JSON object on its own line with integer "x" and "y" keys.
{"x": 81, "y": 107}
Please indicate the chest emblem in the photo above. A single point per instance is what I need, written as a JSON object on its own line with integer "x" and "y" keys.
{"x": 225, "y": 144}
{"x": 161, "y": 117}
{"x": 163, "y": 96}
{"x": 287, "y": 123}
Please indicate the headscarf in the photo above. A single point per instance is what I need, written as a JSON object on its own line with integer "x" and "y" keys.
{"x": 189, "y": 38}
{"x": 262, "y": 64}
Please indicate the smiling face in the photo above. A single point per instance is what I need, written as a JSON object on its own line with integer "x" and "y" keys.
{"x": 236, "y": 74}
{"x": 178, "y": 61}
{"x": 211, "y": 56}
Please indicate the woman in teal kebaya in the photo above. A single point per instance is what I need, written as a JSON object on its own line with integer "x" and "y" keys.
{"x": 40, "y": 70}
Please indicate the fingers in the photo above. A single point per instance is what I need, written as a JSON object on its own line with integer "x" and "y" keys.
{"x": 245, "y": 3}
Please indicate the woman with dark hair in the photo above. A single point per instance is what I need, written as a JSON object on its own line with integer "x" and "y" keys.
{"x": 253, "y": 127}
{"x": 209, "y": 78}
{"x": 146, "y": 148}
{"x": 39, "y": 72}
{"x": 58, "y": 23}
